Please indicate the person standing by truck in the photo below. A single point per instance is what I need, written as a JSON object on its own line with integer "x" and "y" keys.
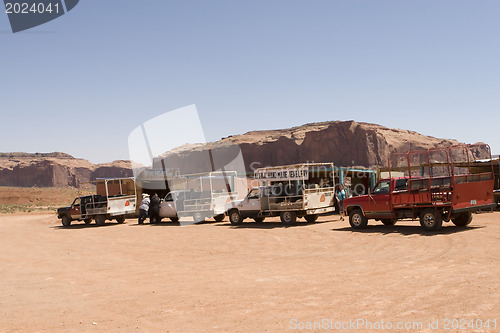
{"x": 154, "y": 209}
{"x": 144, "y": 208}
{"x": 340, "y": 195}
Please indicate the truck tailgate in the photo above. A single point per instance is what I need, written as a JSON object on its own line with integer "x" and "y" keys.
{"x": 122, "y": 205}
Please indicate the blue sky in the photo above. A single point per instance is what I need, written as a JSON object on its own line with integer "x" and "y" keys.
{"x": 81, "y": 83}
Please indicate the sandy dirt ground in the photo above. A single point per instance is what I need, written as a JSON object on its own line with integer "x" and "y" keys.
{"x": 263, "y": 277}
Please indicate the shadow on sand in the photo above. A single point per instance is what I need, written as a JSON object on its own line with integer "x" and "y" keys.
{"x": 269, "y": 225}
{"x": 85, "y": 226}
{"x": 408, "y": 230}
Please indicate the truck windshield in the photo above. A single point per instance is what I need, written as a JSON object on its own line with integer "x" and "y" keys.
{"x": 254, "y": 194}
{"x": 382, "y": 187}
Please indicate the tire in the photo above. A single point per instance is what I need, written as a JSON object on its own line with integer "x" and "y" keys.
{"x": 462, "y": 219}
{"x": 198, "y": 217}
{"x": 357, "y": 220}
{"x": 174, "y": 219}
{"x": 219, "y": 218}
{"x": 120, "y": 219}
{"x": 431, "y": 219}
{"x": 235, "y": 217}
{"x": 388, "y": 221}
{"x": 258, "y": 219}
{"x": 100, "y": 219}
{"x": 66, "y": 221}
{"x": 87, "y": 221}
{"x": 288, "y": 217}
{"x": 311, "y": 218}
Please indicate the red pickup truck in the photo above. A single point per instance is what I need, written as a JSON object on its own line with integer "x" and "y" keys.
{"x": 429, "y": 190}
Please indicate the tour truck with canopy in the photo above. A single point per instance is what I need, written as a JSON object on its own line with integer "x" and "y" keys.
{"x": 292, "y": 191}
{"x": 200, "y": 196}
{"x": 433, "y": 185}
{"x": 115, "y": 199}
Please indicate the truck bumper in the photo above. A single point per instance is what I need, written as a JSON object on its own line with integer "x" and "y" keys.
{"x": 475, "y": 208}
{"x": 320, "y": 210}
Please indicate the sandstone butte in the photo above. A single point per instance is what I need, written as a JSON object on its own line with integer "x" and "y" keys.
{"x": 346, "y": 143}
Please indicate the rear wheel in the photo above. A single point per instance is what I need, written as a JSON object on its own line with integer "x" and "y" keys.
{"x": 311, "y": 218}
{"x": 66, "y": 221}
{"x": 388, "y": 221}
{"x": 258, "y": 219}
{"x": 462, "y": 219}
{"x": 288, "y": 217}
{"x": 100, "y": 219}
{"x": 120, "y": 219}
{"x": 431, "y": 219}
{"x": 219, "y": 218}
{"x": 357, "y": 220}
{"x": 235, "y": 217}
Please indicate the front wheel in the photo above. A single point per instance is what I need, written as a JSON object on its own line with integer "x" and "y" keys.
{"x": 219, "y": 218}
{"x": 357, "y": 220}
{"x": 288, "y": 217}
{"x": 311, "y": 218}
{"x": 66, "y": 221}
{"x": 462, "y": 219}
{"x": 235, "y": 217}
{"x": 431, "y": 219}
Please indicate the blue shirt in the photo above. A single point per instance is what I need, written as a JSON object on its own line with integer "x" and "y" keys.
{"x": 341, "y": 195}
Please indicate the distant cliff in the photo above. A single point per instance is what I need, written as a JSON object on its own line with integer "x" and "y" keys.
{"x": 55, "y": 169}
{"x": 345, "y": 143}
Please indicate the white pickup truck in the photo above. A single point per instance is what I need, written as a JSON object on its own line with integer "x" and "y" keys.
{"x": 204, "y": 196}
{"x": 199, "y": 205}
{"x": 115, "y": 199}
{"x": 302, "y": 190}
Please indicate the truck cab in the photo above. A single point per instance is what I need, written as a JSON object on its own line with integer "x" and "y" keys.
{"x": 77, "y": 211}
{"x": 172, "y": 202}
{"x": 250, "y": 206}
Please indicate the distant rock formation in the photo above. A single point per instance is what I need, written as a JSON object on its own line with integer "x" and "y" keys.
{"x": 346, "y": 143}
{"x": 55, "y": 169}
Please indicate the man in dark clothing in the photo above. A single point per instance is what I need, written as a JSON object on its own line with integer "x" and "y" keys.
{"x": 154, "y": 209}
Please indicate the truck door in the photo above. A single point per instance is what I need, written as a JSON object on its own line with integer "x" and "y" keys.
{"x": 167, "y": 207}
{"x": 252, "y": 202}
{"x": 75, "y": 210}
{"x": 379, "y": 203}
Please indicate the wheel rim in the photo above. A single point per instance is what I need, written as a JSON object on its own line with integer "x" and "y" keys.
{"x": 234, "y": 217}
{"x": 287, "y": 216}
{"x": 429, "y": 220}
{"x": 356, "y": 219}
